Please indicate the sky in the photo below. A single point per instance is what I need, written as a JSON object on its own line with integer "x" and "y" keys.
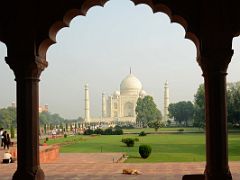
{"x": 100, "y": 48}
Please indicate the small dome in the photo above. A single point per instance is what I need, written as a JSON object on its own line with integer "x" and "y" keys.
{"x": 116, "y": 93}
{"x": 130, "y": 83}
{"x": 142, "y": 93}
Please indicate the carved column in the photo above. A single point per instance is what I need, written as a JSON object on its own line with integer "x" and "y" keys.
{"x": 214, "y": 65}
{"x": 27, "y": 71}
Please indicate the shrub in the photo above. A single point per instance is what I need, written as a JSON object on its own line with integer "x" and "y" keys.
{"x": 136, "y": 139}
{"x": 65, "y": 135}
{"x": 145, "y": 151}
{"x": 128, "y": 126}
{"x": 180, "y": 130}
{"x": 46, "y": 138}
{"x": 108, "y": 131}
{"x": 142, "y": 133}
{"x": 88, "y": 132}
{"x": 117, "y": 127}
{"x": 128, "y": 141}
{"x": 118, "y": 132}
{"x": 98, "y": 131}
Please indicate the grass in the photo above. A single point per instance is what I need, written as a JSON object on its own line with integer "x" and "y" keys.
{"x": 165, "y": 147}
{"x": 152, "y": 130}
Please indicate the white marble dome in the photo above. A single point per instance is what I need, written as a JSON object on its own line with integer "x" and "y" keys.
{"x": 142, "y": 93}
{"x": 130, "y": 84}
{"x": 116, "y": 93}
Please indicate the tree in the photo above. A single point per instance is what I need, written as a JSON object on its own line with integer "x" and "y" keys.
{"x": 147, "y": 111}
{"x": 199, "y": 108}
{"x": 80, "y": 119}
{"x": 48, "y": 118}
{"x": 233, "y": 105}
{"x": 156, "y": 124}
{"x": 182, "y": 112}
{"x": 8, "y": 117}
{"x": 233, "y": 102}
{"x": 44, "y": 118}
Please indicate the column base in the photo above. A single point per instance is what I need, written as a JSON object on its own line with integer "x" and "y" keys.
{"x": 207, "y": 177}
{"x": 21, "y": 174}
{"x": 220, "y": 176}
{"x": 194, "y": 177}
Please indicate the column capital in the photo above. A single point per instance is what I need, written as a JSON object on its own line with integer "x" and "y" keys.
{"x": 215, "y": 60}
{"x": 28, "y": 67}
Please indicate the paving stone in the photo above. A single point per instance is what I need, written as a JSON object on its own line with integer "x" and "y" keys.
{"x": 99, "y": 166}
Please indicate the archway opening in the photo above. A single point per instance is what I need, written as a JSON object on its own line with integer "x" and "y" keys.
{"x": 104, "y": 45}
{"x": 125, "y": 49}
{"x": 8, "y": 94}
{"x": 117, "y": 46}
{"x": 233, "y": 99}
{"x": 6, "y": 78}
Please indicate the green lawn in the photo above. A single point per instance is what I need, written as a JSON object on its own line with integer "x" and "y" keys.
{"x": 165, "y": 129}
{"x": 165, "y": 147}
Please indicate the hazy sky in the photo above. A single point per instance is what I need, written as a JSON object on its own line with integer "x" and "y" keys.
{"x": 100, "y": 48}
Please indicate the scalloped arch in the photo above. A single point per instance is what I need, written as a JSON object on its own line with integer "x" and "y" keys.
{"x": 2, "y": 39}
{"x": 160, "y": 7}
{"x": 237, "y": 34}
{"x": 3, "y": 44}
{"x": 87, "y": 4}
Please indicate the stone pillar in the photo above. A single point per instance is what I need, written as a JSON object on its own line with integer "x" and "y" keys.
{"x": 27, "y": 70}
{"x": 214, "y": 65}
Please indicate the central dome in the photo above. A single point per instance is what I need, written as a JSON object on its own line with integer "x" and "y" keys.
{"x": 130, "y": 84}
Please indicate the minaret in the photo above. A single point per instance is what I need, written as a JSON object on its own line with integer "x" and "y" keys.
{"x": 103, "y": 105}
{"x": 166, "y": 102}
{"x": 87, "y": 105}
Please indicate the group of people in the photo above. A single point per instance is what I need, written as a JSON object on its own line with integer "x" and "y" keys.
{"x": 5, "y": 139}
{"x": 5, "y": 143}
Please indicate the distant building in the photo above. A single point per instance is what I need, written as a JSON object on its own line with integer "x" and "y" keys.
{"x": 121, "y": 105}
{"x": 13, "y": 104}
{"x": 43, "y": 108}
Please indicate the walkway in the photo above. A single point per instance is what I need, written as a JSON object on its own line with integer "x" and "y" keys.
{"x": 92, "y": 166}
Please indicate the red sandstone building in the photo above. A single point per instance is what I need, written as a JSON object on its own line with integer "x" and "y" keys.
{"x": 28, "y": 28}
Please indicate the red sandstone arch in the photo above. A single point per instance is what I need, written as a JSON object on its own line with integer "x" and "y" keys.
{"x": 86, "y": 5}
{"x": 29, "y": 28}
{"x": 2, "y": 39}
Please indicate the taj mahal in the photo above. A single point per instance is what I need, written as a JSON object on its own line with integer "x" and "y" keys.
{"x": 120, "y": 106}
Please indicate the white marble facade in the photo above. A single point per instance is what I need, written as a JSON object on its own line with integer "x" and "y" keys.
{"x": 120, "y": 106}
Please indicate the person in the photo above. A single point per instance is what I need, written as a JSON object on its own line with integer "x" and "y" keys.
{"x": 54, "y": 133}
{"x": 7, "y": 158}
{"x": 6, "y": 140}
{"x": 1, "y": 136}
{"x": 4, "y": 137}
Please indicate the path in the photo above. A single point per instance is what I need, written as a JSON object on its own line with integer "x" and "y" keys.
{"x": 93, "y": 166}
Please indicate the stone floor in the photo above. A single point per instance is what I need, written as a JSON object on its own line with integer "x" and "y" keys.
{"x": 103, "y": 166}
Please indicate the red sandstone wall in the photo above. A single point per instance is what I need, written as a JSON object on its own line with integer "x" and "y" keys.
{"x": 46, "y": 154}
{"x": 49, "y": 154}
